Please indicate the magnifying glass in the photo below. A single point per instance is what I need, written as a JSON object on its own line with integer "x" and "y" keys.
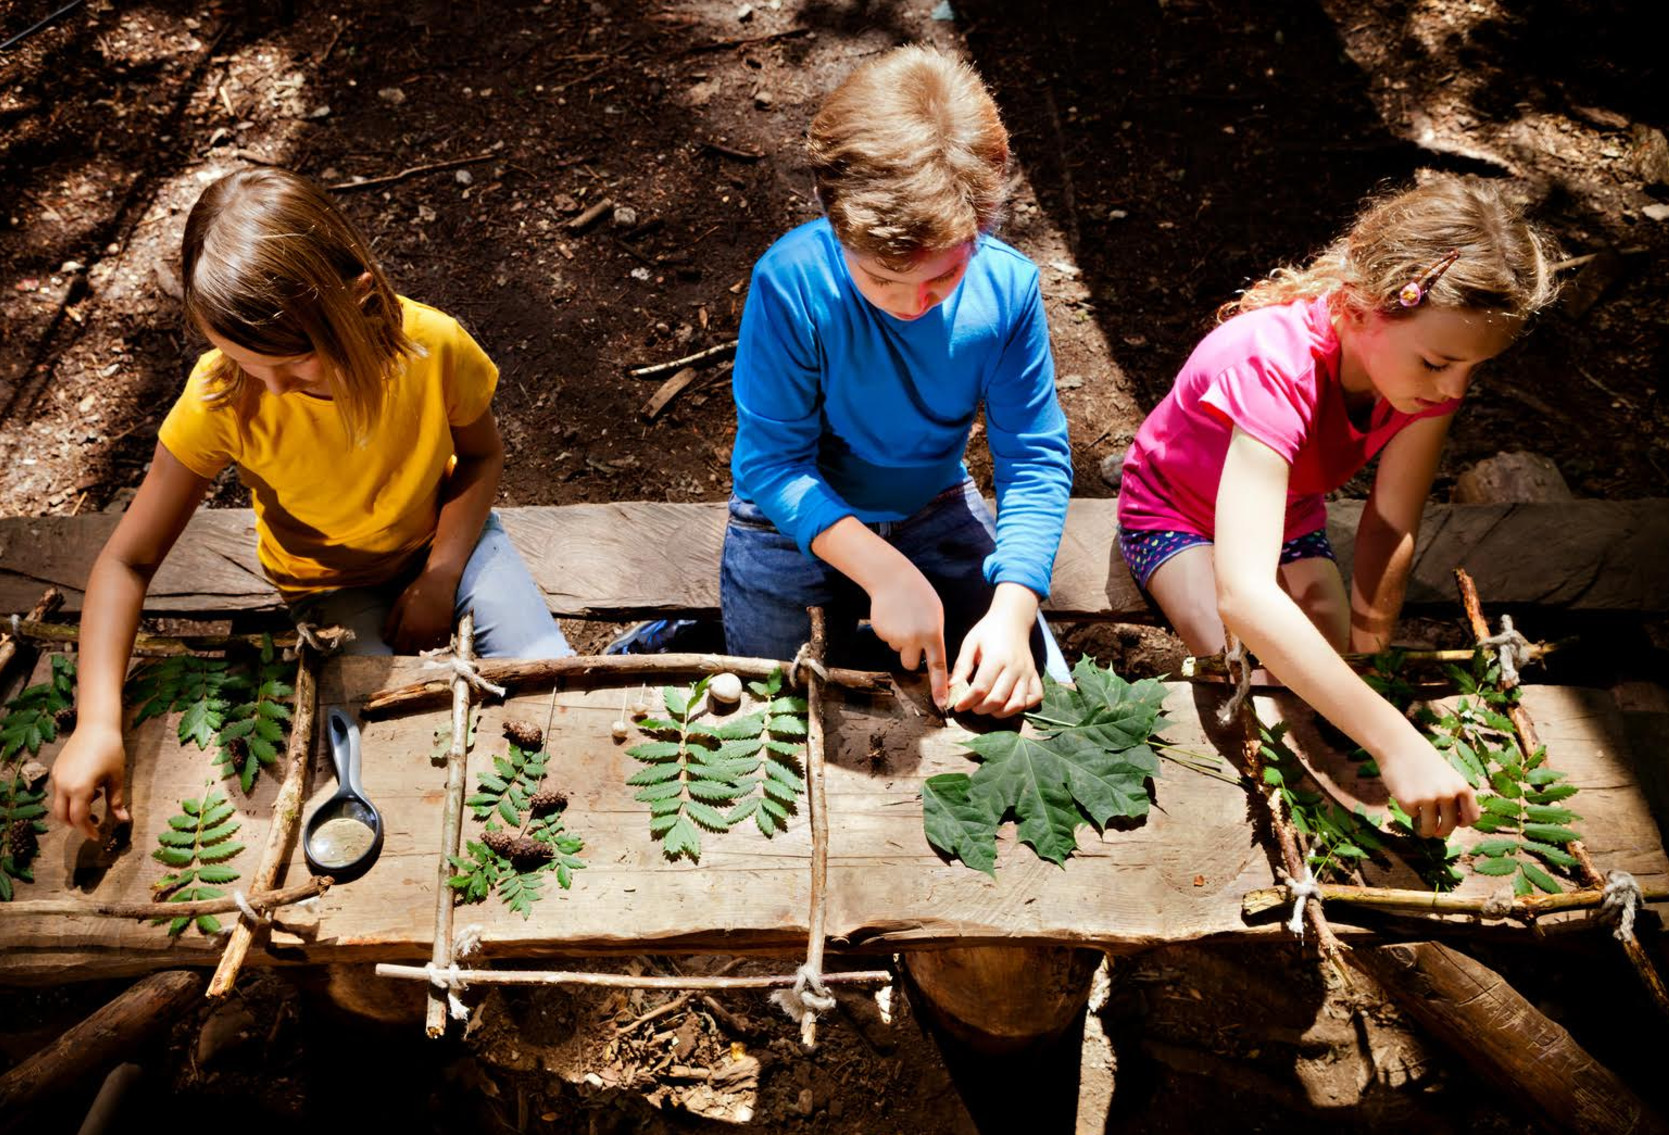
{"x": 343, "y": 836}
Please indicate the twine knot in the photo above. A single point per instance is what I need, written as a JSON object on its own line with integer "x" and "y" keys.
{"x": 1302, "y": 891}
{"x": 1499, "y": 905}
{"x": 809, "y": 996}
{"x": 449, "y": 978}
{"x": 1235, "y": 658}
{"x": 803, "y": 658}
{"x": 1620, "y": 900}
{"x": 442, "y": 658}
{"x": 1512, "y": 650}
{"x": 248, "y": 909}
{"x": 309, "y": 634}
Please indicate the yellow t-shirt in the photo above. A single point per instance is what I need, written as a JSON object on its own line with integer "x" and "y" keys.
{"x": 330, "y": 513}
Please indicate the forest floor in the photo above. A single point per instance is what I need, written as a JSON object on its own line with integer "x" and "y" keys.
{"x": 1170, "y": 152}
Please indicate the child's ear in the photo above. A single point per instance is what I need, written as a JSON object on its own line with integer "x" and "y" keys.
{"x": 363, "y": 288}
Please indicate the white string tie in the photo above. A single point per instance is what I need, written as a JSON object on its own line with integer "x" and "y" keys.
{"x": 17, "y": 626}
{"x": 1235, "y": 659}
{"x": 442, "y": 658}
{"x": 467, "y": 941}
{"x": 804, "y": 658}
{"x": 1499, "y": 905}
{"x": 1302, "y": 891}
{"x": 450, "y": 978}
{"x": 1621, "y": 899}
{"x": 248, "y": 910}
{"x": 809, "y": 996}
{"x": 1512, "y": 650}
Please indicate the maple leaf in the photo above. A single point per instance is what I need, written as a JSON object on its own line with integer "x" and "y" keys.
{"x": 1086, "y": 759}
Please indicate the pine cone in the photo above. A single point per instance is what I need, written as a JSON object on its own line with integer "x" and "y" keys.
{"x": 522, "y": 850}
{"x": 236, "y": 748}
{"x": 23, "y": 841}
{"x": 65, "y": 719}
{"x": 548, "y": 801}
{"x": 525, "y": 734}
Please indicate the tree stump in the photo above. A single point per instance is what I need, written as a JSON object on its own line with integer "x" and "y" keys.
{"x": 998, "y": 999}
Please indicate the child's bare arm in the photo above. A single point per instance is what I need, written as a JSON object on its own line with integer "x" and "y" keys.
{"x": 1390, "y": 523}
{"x": 903, "y": 607}
{"x": 93, "y": 758}
{"x": 422, "y": 616}
{"x": 1251, "y": 503}
{"x": 996, "y": 661}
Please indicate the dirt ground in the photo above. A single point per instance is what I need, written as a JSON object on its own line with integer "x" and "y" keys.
{"x": 1170, "y": 151}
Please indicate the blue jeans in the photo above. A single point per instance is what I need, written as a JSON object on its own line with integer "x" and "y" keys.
{"x": 766, "y": 584}
{"x": 511, "y": 619}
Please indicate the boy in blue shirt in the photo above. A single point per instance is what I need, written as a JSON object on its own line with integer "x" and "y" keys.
{"x": 870, "y": 340}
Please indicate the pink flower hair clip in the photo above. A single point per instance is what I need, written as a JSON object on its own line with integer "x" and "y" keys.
{"x": 1412, "y": 293}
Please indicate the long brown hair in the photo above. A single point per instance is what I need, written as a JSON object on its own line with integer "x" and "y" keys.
{"x": 271, "y": 264}
{"x": 910, "y": 156}
{"x": 1505, "y": 264}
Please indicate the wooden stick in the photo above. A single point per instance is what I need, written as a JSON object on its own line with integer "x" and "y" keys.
{"x": 413, "y": 171}
{"x": 523, "y": 674}
{"x": 627, "y": 981}
{"x": 680, "y": 364}
{"x": 110, "y": 1033}
{"x": 1525, "y": 908}
{"x": 49, "y": 602}
{"x": 722, "y": 44}
{"x": 457, "y": 770}
{"x": 1214, "y": 666}
{"x": 1286, "y": 837}
{"x": 1506, "y": 1039}
{"x": 164, "y": 646}
{"x": 260, "y": 900}
{"x": 590, "y": 216}
{"x": 1528, "y": 743}
{"x": 818, "y": 804}
{"x": 286, "y": 815}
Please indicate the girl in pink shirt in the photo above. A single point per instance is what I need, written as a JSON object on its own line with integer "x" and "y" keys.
{"x": 1366, "y": 351}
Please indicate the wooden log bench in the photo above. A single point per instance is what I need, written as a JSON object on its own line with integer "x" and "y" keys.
{"x": 642, "y": 559}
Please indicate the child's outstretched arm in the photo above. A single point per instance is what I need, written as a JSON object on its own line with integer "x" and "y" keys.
{"x": 93, "y": 759}
{"x": 422, "y": 616}
{"x": 1032, "y": 467}
{"x": 1390, "y": 523}
{"x": 1251, "y": 505}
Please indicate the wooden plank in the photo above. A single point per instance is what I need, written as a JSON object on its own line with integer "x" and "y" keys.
{"x": 643, "y": 558}
{"x": 1177, "y": 877}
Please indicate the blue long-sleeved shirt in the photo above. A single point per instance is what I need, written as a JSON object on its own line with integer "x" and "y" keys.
{"x": 843, "y": 410}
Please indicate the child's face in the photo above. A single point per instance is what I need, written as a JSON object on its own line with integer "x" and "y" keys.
{"x": 1418, "y": 362}
{"x": 279, "y": 374}
{"x": 910, "y": 295}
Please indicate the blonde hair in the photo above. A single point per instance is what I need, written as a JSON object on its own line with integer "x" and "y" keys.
{"x": 910, "y": 157}
{"x": 1504, "y": 265}
{"x": 272, "y": 265}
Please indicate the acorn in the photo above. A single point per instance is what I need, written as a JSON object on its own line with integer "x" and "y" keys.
{"x": 547, "y": 801}
{"x": 524, "y": 734}
{"x": 619, "y": 730}
{"x": 65, "y": 719}
{"x": 640, "y": 709}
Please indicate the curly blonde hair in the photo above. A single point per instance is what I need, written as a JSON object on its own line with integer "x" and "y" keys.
{"x": 1505, "y": 264}
{"x": 910, "y": 157}
{"x": 270, "y": 263}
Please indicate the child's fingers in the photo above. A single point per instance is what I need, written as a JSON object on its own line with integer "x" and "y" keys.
{"x": 910, "y": 657}
{"x": 998, "y": 692}
{"x": 937, "y": 677}
{"x": 1027, "y": 693}
{"x": 115, "y": 794}
{"x": 1446, "y": 811}
{"x": 1470, "y": 812}
{"x": 80, "y": 814}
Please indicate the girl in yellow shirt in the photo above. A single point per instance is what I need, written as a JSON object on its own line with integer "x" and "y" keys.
{"x": 361, "y": 423}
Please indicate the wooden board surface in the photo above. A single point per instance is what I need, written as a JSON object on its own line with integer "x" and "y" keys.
{"x": 1177, "y": 877}
{"x": 626, "y": 560}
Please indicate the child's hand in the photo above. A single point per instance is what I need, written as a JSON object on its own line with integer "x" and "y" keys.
{"x": 1435, "y": 796}
{"x": 92, "y": 759}
{"x": 907, "y": 615}
{"x": 995, "y": 665}
{"x": 422, "y": 617}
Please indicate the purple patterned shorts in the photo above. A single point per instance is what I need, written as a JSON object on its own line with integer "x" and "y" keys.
{"x": 1144, "y": 551}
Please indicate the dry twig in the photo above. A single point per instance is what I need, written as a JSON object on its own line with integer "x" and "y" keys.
{"x": 413, "y": 171}
{"x": 457, "y": 761}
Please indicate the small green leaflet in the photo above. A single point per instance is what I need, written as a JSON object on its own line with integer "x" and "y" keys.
{"x": 503, "y": 802}
{"x": 709, "y": 774}
{"x": 1088, "y": 761}
{"x": 28, "y": 721}
{"x": 197, "y": 842}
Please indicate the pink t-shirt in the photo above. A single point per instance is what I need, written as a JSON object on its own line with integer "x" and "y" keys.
{"x": 1274, "y": 372}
